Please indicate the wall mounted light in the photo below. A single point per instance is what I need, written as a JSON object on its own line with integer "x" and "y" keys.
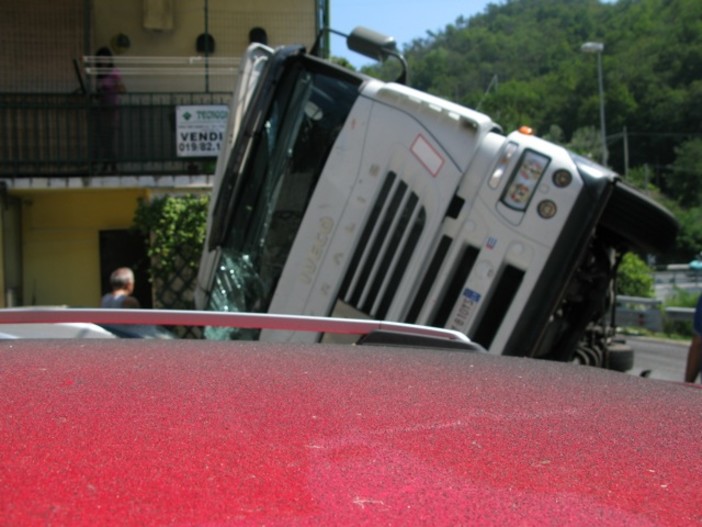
{"x": 120, "y": 43}
{"x": 205, "y": 43}
{"x": 259, "y": 35}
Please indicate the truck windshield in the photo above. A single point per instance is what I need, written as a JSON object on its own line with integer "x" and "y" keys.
{"x": 304, "y": 117}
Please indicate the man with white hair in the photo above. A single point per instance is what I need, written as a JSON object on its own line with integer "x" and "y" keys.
{"x": 122, "y": 282}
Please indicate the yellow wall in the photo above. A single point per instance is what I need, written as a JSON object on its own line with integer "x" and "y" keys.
{"x": 60, "y": 240}
{"x": 229, "y": 22}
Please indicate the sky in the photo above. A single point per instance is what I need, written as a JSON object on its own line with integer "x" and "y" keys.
{"x": 405, "y": 20}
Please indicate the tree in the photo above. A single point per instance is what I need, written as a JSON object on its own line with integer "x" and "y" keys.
{"x": 685, "y": 181}
{"x": 634, "y": 277}
{"x": 343, "y": 62}
{"x": 689, "y": 240}
{"x": 587, "y": 142}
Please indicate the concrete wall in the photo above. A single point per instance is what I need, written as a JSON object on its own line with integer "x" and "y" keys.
{"x": 285, "y": 21}
{"x": 228, "y": 22}
{"x": 41, "y": 39}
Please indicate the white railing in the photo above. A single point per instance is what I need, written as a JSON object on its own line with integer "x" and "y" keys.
{"x": 165, "y": 317}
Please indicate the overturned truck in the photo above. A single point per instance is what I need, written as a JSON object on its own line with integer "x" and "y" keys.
{"x": 338, "y": 193}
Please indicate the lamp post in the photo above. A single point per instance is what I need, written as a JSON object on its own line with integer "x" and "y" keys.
{"x": 598, "y": 47}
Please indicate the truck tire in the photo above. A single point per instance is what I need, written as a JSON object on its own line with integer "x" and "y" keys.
{"x": 640, "y": 220}
{"x": 620, "y": 357}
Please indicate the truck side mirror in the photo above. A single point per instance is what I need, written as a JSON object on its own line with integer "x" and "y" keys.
{"x": 371, "y": 44}
{"x": 376, "y": 46}
{"x": 368, "y": 43}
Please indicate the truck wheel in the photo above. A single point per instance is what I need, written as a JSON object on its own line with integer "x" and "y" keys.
{"x": 620, "y": 357}
{"x": 640, "y": 220}
{"x": 588, "y": 356}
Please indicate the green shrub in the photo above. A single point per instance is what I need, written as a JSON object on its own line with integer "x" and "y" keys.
{"x": 175, "y": 227}
{"x": 634, "y": 277}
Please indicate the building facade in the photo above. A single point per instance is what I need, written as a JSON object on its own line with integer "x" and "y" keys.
{"x": 74, "y": 163}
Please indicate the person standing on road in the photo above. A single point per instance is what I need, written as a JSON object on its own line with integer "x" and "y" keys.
{"x": 694, "y": 355}
{"x": 122, "y": 282}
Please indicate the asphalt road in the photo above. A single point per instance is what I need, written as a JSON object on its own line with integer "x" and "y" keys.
{"x": 665, "y": 359}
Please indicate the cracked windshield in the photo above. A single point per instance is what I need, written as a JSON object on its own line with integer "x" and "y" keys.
{"x": 304, "y": 119}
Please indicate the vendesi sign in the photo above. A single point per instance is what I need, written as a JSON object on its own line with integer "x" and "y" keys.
{"x": 200, "y": 129}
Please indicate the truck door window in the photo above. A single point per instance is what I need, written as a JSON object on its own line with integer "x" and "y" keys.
{"x": 305, "y": 116}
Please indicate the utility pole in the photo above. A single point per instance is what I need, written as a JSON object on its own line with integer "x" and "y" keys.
{"x": 598, "y": 48}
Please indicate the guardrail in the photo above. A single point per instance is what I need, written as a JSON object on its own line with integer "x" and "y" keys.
{"x": 648, "y": 313}
{"x": 684, "y": 273}
{"x": 680, "y": 314}
{"x": 639, "y": 312}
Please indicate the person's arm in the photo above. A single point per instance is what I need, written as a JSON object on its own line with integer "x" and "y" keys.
{"x": 693, "y": 359}
{"x": 694, "y": 354}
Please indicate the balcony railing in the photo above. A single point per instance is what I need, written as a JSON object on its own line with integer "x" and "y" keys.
{"x": 45, "y": 135}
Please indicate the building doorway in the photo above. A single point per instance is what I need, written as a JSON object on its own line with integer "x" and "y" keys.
{"x": 125, "y": 248}
{"x": 11, "y": 223}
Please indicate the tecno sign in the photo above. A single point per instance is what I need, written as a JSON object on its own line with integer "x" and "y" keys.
{"x": 200, "y": 130}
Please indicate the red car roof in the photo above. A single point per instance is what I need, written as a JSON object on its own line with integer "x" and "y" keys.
{"x": 191, "y": 432}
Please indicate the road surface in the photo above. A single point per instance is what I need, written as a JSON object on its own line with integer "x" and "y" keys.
{"x": 665, "y": 359}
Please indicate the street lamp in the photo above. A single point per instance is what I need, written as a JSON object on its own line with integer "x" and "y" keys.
{"x": 598, "y": 47}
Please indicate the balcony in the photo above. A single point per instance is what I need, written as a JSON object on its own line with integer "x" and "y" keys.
{"x": 70, "y": 135}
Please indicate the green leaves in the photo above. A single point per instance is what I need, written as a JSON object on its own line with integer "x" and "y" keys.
{"x": 634, "y": 277}
{"x": 175, "y": 227}
{"x": 685, "y": 180}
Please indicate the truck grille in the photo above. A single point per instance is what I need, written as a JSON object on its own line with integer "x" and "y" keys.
{"x": 385, "y": 248}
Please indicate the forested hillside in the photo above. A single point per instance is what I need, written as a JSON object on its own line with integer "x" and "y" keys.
{"x": 521, "y": 62}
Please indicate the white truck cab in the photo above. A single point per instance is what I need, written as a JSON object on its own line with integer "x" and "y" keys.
{"x": 342, "y": 193}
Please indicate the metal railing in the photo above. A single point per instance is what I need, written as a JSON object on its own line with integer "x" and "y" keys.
{"x": 168, "y": 317}
{"x": 639, "y": 312}
{"x": 649, "y": 313}
{"x": 72, "y": 135}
